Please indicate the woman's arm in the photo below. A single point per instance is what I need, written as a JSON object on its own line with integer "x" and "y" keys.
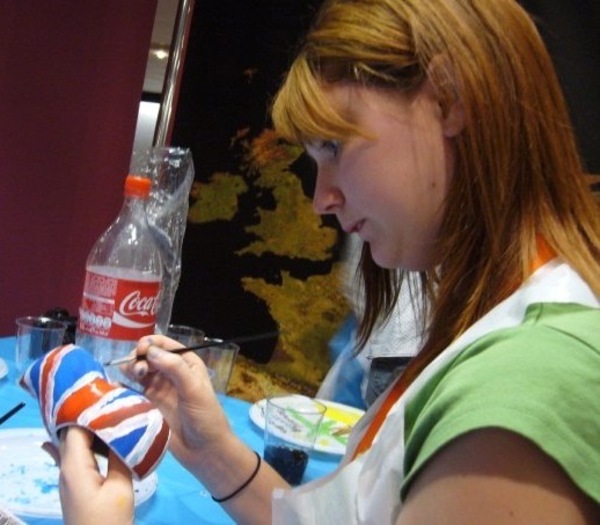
{"x": 493, "y": 476}
{"x": 201, "y": 439}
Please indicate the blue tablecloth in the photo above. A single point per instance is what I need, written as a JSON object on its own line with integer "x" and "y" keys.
{"x": 179, "y": 497}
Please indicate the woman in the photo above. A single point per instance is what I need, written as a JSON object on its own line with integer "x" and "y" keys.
{"x": 442, "y": 139}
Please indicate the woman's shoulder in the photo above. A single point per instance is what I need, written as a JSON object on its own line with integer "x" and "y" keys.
{"x": 538, "y": 379}
{"x": 552, "y": 338}
{"x": 555, "y": 344}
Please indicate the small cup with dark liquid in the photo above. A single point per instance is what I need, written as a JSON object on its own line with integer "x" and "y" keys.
{"x": 291, "y": 429}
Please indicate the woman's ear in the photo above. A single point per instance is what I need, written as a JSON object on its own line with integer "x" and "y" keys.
{"x": 454, "y": 121}
{"x": 441, "y": 78}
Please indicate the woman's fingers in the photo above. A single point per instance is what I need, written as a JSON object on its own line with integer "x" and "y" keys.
{"x": 86, "y": 495}
{"x": 76, "y": 448}
{"x": 78, "y": 465}
{"x": 181, "y": 369}
{"x": 140, "y": 369}
{"x": 118, "y": 471}
{"x": 76, "y": 455}
{"x": 161, "y": 341}
{"x": 52, "y": 450}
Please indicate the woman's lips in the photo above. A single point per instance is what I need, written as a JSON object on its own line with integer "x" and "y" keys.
{"x": 355, "y": 228}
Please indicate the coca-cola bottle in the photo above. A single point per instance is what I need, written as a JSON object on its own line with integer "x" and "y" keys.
{"x": 122, "y": 285}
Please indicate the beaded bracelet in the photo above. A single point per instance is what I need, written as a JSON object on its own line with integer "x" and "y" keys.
{"x": 245, "y": 484}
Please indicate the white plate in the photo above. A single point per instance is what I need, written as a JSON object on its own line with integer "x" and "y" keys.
{"x": 335, "y": 427}
{"x": 30, "y": 477}
{"x": 3, "y": 368}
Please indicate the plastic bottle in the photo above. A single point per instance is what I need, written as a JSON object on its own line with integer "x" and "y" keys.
{"x": 122, "y": 285}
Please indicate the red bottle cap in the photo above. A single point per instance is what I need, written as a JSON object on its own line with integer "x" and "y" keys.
{"x": 136, "y": 186}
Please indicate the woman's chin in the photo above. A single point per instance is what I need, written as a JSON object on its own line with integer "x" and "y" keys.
{"x": 399, "y": 261}
{"x": 384, "y": 260}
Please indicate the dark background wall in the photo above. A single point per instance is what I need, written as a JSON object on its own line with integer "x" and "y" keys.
{"x": 71, "y": 76}
{"x": 571, "y": 30}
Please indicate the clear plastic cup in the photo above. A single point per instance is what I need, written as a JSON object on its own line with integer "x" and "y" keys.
{"x": 35, "y": 337}
{"x": 291, "y": 429}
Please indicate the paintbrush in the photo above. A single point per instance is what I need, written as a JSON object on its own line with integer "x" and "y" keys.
{"x": 11, "y": 412}
{"x": 206, "y": 343}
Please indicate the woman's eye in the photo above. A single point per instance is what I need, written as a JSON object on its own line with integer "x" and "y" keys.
{"x": 324, "y": 149}
{"x": 331, "y": 146}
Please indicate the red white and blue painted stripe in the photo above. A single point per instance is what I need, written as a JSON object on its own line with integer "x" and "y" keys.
{"x": 72, "y": 389}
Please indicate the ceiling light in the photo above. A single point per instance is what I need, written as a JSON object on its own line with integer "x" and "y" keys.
{"x": 159, "y": 51}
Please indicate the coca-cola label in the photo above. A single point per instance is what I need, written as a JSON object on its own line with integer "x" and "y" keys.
{"x": 118, "y": 308}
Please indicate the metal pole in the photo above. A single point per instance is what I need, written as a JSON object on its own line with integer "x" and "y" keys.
{"x": 173, "y": 74}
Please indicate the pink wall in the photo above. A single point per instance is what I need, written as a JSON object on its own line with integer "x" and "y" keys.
{"x": 71, "y": 77}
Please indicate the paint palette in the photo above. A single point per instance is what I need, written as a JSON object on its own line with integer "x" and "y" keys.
{"x": 30, "y": 477}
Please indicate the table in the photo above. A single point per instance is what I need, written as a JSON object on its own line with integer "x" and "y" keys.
{"x": 179, "y": 497}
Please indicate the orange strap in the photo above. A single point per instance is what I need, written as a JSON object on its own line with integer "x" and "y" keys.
{"x": 368, "y": 437}
{"x": 544, "y": 254}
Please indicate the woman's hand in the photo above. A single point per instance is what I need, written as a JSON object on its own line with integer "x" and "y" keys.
{"x": 201, "y": 439}
{"x": 179, "y": 385}
{"x": 87, "y": 497}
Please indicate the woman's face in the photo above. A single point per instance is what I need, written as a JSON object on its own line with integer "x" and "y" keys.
{"x": 389, "y": 188}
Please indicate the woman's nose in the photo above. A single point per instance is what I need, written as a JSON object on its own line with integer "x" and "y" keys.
{"x": 327, "y": 197}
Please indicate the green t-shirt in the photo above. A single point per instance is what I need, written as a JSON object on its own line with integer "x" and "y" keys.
{"x": 540, "y": 379}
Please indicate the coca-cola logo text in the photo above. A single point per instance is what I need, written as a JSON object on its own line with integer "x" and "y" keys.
{"x": 136, "y": 304}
